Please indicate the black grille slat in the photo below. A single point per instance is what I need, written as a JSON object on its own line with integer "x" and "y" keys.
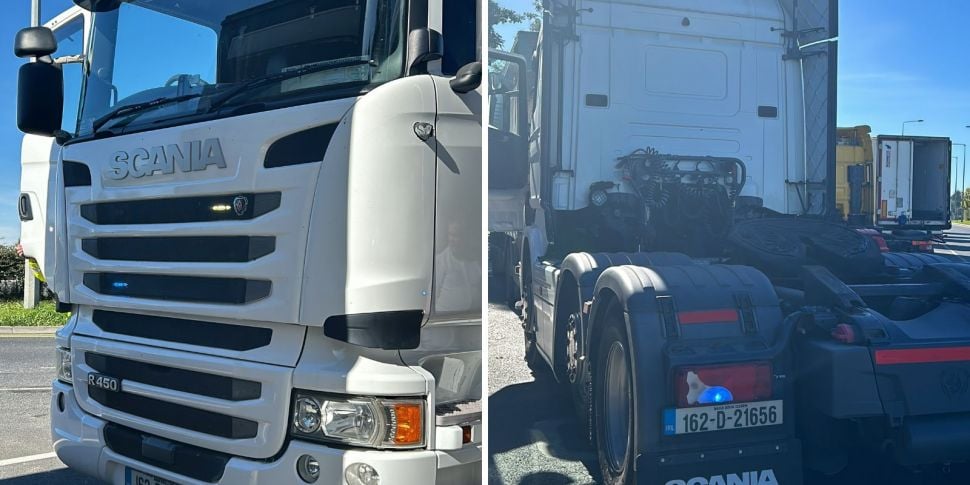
{"x": 187, "y": 460}
{"x": 197, "y": 289}
{"x": 192, "y": 249}
{"x": 182, "y": 209}
{"x": 193, "y": 419}
{"x": 211, "y": 385}
{"x": 192, "y": 332}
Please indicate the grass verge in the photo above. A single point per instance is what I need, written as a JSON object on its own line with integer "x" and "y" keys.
{"x": 13, "y": 313}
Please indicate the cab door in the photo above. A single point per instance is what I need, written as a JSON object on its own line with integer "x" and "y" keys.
{"x": 41, "y": 181}
{"x": 508, "y": 142}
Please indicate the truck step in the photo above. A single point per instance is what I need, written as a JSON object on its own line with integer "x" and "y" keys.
{"x": 458, "y": 413}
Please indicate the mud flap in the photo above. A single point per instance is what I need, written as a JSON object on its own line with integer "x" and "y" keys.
{"x": 761, "y": 464}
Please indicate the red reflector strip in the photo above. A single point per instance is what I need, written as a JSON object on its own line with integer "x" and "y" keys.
{"x": 922, "y": 356}
{"x": 729, "y": 315}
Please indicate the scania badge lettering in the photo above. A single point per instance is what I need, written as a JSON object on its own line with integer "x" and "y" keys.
{"x": 264, "y": 218}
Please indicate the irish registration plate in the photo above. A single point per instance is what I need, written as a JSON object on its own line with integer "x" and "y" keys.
{"x": 135, "y": 477}
{"x": 722, "y": 417}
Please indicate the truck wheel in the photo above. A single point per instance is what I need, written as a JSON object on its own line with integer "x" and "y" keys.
{"x": 613, "y": 406}
{"x": 532, "y": 358}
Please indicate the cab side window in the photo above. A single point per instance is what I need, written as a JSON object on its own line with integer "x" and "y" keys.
{"x": 70, "y": 42}
{"x": 460, "y": 33}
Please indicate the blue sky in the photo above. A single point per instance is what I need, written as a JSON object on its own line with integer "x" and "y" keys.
{"x": 16, "y": 17}
{"x": 899, "y": 60}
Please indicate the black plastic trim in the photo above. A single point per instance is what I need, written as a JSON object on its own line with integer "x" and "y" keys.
{"x": 191, "y": 332}
{"x": 200, "y": 289}
{"x": 397, "y": 330}
{"x": 597, "y": 100}
{"x": 76, "y": 174}
{"x": 305, "y": 146}
{"x": 187, "y": 460}
{"x": 211, "y": 385}
{"x": 193, "y": 419}
{"x": 767, "y": 111}
{"x": 24, "y": 209}
{"x": 183, "y": 209}
{"x": 193, "y": 249}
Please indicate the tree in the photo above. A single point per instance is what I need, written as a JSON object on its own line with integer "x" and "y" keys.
{"x": 956, "y": 205}
{"x": 966, "y": 204}
{"x": 498, "y": 15}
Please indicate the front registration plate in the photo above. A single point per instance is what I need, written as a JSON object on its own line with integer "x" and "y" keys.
{"x": 722, "y": 417}
{"x": 135, "y": 477}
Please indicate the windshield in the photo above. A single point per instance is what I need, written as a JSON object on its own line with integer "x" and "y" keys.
{"x": 218, "y": 56}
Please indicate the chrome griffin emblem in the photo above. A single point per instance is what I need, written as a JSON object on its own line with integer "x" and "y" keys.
{"x": 240, "y": 204}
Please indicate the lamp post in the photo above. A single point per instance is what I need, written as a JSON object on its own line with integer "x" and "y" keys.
{"x": 957, "y": 186}
{"x": 963, "y": 178}
{"x": 903, "y": 131}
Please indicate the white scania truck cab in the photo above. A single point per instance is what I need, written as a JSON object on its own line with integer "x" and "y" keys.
{"x": 263, "y": 216}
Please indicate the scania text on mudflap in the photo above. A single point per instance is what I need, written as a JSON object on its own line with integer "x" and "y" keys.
{"x": 264, "y": 218}
{"x": 668, "y": 174}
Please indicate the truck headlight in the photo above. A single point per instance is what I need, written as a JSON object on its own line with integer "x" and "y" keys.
{"x": 63, "y": 365}
{"x": 360, "y": 421}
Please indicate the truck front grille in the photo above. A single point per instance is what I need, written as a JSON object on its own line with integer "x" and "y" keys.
{"x": 208, "y": 208}
{"x": 184, "y": 331}
{"x": 197, "y": 289}
{"x": 199, "y": 249}
{"x": 216, "y": 403}
{"x": 192, "y": 419}
{"x": 219, "y": 387}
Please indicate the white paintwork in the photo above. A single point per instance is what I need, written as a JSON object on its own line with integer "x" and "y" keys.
{"x": 40, "y": 179}
{"x": 691, "y": 90}
{"x": 78, "y": 443}
{"x": 683, "y": 77}
{"x": 897, "y": 167}
{"x": 380, "y": 224}
{"x": 371, "y": 216}
{"x": 895, "y": 178}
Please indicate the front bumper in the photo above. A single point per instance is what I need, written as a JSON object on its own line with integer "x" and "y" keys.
{"x": 79, "y": 442}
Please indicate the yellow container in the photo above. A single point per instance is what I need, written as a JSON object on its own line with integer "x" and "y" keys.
{"x": 853, "y": 147}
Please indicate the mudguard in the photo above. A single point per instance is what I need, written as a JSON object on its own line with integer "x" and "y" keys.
{"x": 720, "y": 314}
{"x": 586, "y": 268}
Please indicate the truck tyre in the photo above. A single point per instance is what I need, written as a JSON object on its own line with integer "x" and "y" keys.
{"x": 532, "y": 358}
{"x": 613, "y": 404}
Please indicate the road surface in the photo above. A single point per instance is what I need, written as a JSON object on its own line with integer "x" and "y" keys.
{"x": 957, "y": 243}
{"x": 26, "y": 457}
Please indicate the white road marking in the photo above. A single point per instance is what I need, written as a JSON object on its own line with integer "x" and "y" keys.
{"x": 25, "y": 389}
{"x": 28, "y": 458}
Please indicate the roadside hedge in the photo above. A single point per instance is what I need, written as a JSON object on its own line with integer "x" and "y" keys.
{"x": 12, "y": 275}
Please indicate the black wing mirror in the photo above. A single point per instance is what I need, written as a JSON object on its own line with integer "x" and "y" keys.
{"x": 34, "y": 42}
{"x": 469, "y": 77}
{"x": 424, "y": 46}
{"x": 98, "y": 5}
{"x": 40, "y": 84}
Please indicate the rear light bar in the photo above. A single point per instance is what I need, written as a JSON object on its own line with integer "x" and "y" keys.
{"x": 703, "y": 385}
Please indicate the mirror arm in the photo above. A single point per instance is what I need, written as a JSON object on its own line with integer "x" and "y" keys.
{"x": 75, "y": 59}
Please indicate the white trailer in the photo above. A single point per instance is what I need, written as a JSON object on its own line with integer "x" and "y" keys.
{"x": 913, "y": 182}
{"x": 263, "y": 217}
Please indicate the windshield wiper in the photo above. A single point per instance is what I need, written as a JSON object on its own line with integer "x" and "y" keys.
{"x": 134, "y": 108}
{"x": 281, "y": 76}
